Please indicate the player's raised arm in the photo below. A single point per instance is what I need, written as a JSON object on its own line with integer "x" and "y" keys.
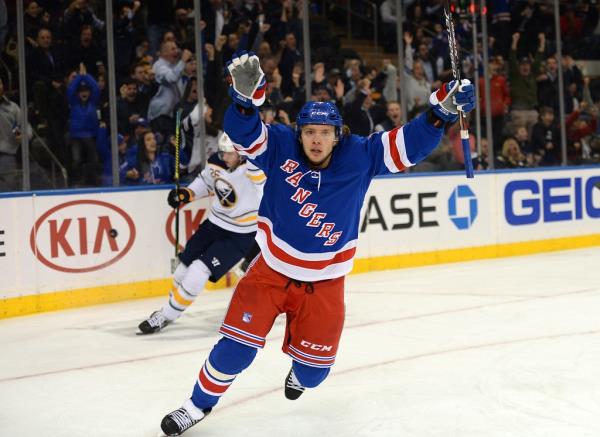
{"x": 407, "y": 145}
{"x": 242, "y": 122}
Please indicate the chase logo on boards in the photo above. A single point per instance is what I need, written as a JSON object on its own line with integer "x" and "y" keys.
{"x": 82, "y": 236}
{"x": 421, "y": 210}
{"x": 462, "y": 207}
{"x": 528, "y": 201}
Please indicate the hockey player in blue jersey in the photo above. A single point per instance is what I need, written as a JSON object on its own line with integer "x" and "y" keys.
{"x": 317, "y": 178}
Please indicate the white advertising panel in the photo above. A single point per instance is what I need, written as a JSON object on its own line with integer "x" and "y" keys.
{"x": 74, "y": 240}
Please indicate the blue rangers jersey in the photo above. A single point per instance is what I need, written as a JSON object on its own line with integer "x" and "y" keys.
{"x": 308, "y": 219}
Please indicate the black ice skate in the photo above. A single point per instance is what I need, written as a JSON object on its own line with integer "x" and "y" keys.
{"x": 154, "y": 323}
{"x": 182, "y": 419}
{"x": 293, "y": 388}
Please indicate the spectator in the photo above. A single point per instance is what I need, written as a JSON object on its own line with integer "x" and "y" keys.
{"x": 545, "y": 143}
{"x": 124, "y": 30}
{"x": 78, "y": 14}
{"x": 191, "y": 127}
{"x": 360, "y": 113}
{"x": 571, "y": 25}
{"x": 43, "y": 63}
{"x": 84, "y": 96}
{"x": 393, "y": 117}
{"x": 573, "y": 79}
{"x": 390, "y": 88}
{"x": 501, "y": 26}
{"x": 32, "y": 20}
{"x": 499, "y": 101}
{"x": 511, "y": 156}
{"x": 423, "y": 55}
{"x": 290, "y": 56}
{"x": 184, "y": 27}
{"x": 167, "y": 72}
{"x": 388, "y": 13}
{"x": 521, "y": 134}
{"x": 189, "y": 73}
{"x": 418, "y": 89}
{"x": 482, "y": 161}
{"x": 159, "y": 16}
{"x": 104, "y": 152}
{"x": 10, "y": 141}
{"x": 547, "y": 84}
{"x": 130, "y": 107}
{"x": 146, "y": 86}
{"x": 523, "y": 86}
{"x": 58, "y": 118}
{"x": 580, "y": 124}
{"x": 147, "y": 165}
{"x": 87, "y": 52}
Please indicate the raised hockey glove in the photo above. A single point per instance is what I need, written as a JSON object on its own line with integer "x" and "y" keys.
{"x": 451, "y": 98}
{"x": 248, "y": 83}
{"x": 179, "y": 197}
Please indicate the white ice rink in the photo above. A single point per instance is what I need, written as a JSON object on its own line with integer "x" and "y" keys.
{"x": 507, "y": 347}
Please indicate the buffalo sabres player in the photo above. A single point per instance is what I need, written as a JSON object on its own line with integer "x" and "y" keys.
{"x": 223, "y": 238}
{"x": 317, "y": 178}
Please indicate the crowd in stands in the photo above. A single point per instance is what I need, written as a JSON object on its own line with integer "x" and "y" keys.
{"x": 156, "y": 69}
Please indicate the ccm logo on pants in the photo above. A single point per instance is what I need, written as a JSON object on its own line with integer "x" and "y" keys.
{"x": 315, "y": 347}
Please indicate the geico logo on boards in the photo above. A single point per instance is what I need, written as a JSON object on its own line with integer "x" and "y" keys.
{"x": 315, "y": 347}
{"x": 408, "y": 217}
{"x": 551, "y": 200}
{"x": 190, "y": 218}
{"x": 82, "y": 236}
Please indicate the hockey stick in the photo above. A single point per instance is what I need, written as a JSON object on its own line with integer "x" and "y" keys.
{"x": 175, "y": 259}
{"x": 464, "y": 127}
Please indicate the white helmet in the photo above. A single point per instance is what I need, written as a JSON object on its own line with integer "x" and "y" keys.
{"x": 225, "y": 143}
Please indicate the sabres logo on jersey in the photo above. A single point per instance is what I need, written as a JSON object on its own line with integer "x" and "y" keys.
{"x": 225, "y": 193}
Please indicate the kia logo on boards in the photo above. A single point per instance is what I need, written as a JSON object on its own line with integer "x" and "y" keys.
{"x": 82, "y": 236}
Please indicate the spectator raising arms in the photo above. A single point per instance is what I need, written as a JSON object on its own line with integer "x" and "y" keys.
{"x": 167, "y": 73}
{"x": 84, "y": 95}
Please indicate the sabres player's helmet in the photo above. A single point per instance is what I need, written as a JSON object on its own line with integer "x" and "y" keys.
{"x": 319, "y": 113}
{"x": 226, "y": 145}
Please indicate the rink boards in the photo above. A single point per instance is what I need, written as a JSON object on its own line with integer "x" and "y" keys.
{"x": 67, "y": 249}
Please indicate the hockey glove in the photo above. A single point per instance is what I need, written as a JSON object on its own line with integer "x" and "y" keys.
{"x": 179, "y": 197}
{"x": 248, "y": 80}
{"x": 451, "y": 98}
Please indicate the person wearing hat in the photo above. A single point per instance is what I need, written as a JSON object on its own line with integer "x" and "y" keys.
{"x": 83, "y": 94}
{"x": 523, "y": 83}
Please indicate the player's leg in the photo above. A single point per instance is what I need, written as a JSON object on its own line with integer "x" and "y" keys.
{"x": 250, "y": 255}
{"x": 204, "y": 236}
{"x": 214, "y": 262}
{"x": 250, "y": 316}
{"x": 313, "y": 333}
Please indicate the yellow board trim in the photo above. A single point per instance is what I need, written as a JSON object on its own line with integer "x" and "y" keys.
{"x": 60, "y": 300}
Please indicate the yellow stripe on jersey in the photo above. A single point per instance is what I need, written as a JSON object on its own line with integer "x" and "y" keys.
{"x": 250, "y": 218}
{"x": 256, "y": 178}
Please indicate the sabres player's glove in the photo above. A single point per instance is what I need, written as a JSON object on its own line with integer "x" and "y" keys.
{"x": 451, "y": 98}
{"x": 179, "y": 197}
{"x": 248, "y": 80}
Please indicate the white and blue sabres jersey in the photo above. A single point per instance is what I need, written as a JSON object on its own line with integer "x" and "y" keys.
{"x": 237, "y": 194}
{"x": 308, "y": 219}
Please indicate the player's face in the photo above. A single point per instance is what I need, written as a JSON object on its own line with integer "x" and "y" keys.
{"x": 318, "y": 142}
{"x": 231, "y": 159}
